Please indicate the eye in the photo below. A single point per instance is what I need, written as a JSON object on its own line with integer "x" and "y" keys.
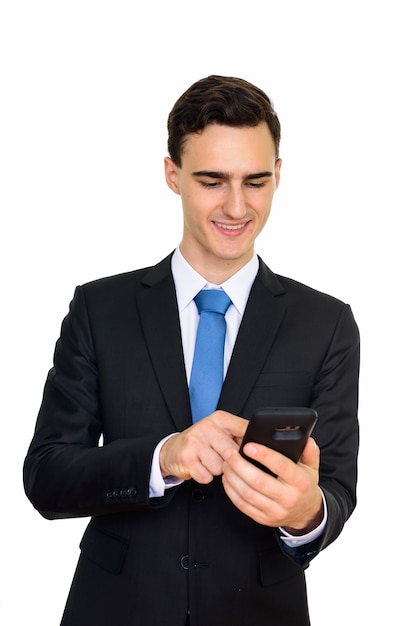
{"x": 257, "y": 185}
{"x": 211, "y": 185}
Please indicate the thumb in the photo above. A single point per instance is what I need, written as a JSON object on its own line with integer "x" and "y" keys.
{"x": 311, "y": 454}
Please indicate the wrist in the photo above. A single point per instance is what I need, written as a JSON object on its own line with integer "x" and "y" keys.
{"x": 306, "y": 527}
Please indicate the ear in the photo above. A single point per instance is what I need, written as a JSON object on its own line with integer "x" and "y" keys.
{"x": 171, "y": 174}
{"x": 277, "y": 171}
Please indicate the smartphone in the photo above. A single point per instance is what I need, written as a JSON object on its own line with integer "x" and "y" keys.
{"x": 284, "y": 429}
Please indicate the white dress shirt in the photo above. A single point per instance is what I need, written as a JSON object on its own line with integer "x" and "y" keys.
{"x": 188, "y": 283}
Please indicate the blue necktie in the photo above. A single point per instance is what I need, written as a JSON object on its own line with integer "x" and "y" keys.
{"x": 208, "y": 362}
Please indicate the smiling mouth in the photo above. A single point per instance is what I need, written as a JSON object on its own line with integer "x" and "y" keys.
{"x": 231, "y": 227}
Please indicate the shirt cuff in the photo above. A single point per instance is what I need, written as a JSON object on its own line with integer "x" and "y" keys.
{"x": 294, "y": 541}
{"x": 158, "y": 484}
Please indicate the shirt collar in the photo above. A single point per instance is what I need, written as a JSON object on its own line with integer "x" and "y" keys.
{"x": 188, "y": 282}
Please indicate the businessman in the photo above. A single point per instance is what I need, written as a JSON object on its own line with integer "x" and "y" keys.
{"x": 183, "y": 528}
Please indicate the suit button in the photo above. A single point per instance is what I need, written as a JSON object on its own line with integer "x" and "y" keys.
{"x": 112, "y": 495}
{"x": 198, "y": 495}
{"x": 184, "y": 561}
{"x": 132, "y": 492}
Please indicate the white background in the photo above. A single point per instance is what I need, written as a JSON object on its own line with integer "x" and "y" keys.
{"x": 86, "y": 88}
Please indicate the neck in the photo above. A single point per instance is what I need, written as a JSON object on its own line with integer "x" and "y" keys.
{"x": 215, "y": 272}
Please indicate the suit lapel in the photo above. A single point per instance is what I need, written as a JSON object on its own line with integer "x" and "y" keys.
{"x": 260, "y": 324}
{"x": 158, "y": 312}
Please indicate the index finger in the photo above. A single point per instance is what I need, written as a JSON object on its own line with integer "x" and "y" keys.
{"x": 231, "y": 424}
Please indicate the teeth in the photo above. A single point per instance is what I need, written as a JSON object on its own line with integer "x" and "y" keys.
{"x": 230, "y": 227}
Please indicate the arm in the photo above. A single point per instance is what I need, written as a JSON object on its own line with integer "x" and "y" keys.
{"x": 66, "y": 472}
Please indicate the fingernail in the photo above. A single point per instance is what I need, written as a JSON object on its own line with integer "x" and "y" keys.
{"x": 250, "y": 450}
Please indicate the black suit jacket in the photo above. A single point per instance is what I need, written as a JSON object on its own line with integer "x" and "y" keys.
{"x": 119, "y": 372}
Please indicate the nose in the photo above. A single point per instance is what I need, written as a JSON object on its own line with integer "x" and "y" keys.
{"x": 235, "y": 205}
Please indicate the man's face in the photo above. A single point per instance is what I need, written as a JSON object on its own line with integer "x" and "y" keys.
{"x": 226, "y": 181}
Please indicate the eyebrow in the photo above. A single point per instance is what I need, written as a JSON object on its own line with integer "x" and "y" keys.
{"x": 226, "y": 176}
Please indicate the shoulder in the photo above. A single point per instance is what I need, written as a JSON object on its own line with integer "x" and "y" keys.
{"x": 127, "y": 282}
{"x": 298, "y": 290}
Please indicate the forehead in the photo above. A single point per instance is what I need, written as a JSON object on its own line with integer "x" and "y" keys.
{"x": 229, "y": 148}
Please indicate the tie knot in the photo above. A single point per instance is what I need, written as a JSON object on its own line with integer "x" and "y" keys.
{"x": 214, "y": 300}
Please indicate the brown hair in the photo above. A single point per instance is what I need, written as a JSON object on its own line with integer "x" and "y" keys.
{"x": 221, "y": 100}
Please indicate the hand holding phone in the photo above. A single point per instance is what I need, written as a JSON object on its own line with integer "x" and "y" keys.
{"x": 284, "y": 429}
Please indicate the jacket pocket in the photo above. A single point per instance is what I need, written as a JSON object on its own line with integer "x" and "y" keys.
{"x": 105, "y": 549}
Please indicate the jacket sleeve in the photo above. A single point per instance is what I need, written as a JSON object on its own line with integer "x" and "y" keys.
{"x": 336, "y": 400}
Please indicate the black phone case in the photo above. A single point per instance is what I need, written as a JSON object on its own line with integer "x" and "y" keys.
{"x": 285, "y": 429}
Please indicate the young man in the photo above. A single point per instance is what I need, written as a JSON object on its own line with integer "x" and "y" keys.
{"x": 183, "y": 529}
